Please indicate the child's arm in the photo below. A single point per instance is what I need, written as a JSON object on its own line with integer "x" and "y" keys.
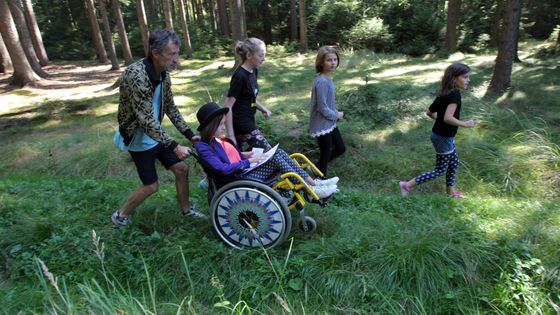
{"x": 230, "y": 100}
{"x": 265, "y": 111}
{"x": 432, "y": 115}
{"x": 450, "y": 120}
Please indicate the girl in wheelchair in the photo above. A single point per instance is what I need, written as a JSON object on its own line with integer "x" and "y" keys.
{"x": 223, "y": 158}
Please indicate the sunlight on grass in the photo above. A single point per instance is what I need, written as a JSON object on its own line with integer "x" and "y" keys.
{"x": 212, "y": 66}
{"x": 107, "y": 109}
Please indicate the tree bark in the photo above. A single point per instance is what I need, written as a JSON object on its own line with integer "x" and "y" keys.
{"x": 25, "y": 39}
{"x": 167, "y": 14}
{"x": 23, "y": 73}
{"x": 497, "y": 22}
{"x": 5, "y": 61}
{"x": 211, "y": 11}
{"x": 236, "y": 23}
{"x": 108, "y": 36}
{"x": 302, "y": 26}
{"x": 95, "y": 32}
{"x": 267, "y": 21}
{"x": 122, "y": 33}
{"x": 35, "y": 33}
{"x": 501, "y": 78}
{"x": 185, "y": 28}
{"x": 236, "y": 27}
{"x": 293, "y": 21}
{"x": 152, "y": 10}
{"x": 222, "y": 12}
{"x": 453, "y": 16}
{"x": 143, "y": 24}
{"x": 516, "y": 58}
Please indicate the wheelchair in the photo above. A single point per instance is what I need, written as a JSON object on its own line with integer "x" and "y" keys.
{"x": 248, "y": 213}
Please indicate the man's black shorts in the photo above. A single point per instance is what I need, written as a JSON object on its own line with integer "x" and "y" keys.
{"x": 146, "y": 162}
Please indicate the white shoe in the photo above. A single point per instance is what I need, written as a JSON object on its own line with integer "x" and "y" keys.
{"x": 324, "y": 191}
{"x": 326, "y": 182}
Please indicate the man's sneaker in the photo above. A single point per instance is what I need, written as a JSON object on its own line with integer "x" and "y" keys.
{"x": 203, "y": 184}
{"x": 324, "y": 191}
{"x": 120, "y": 221}
{"x": 326, "y": 182}
{"x": 193, "y": 214}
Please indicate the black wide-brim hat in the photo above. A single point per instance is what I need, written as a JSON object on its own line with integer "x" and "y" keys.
{"x": 207, "y": 112}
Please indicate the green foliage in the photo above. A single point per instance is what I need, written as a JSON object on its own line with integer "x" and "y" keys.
{"x": 332, "y": 22}
{"x": 369, "y": 33}
{"x": 519, "y": 290}
{"x": 414, "y": 25}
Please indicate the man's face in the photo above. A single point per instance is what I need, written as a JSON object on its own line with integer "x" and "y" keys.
{"x": 168, "y": 59}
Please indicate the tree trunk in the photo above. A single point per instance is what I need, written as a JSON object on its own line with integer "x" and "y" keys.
{"x": 23, "y": 73}
{"x": 236, "y": 24}
{"x": 143, "y": 24}
{"x": 453, "y": 16}
{"x": 222, "y": 12}
{"x": 293, "y": 21}
{"x": 108, "y": 36}
{"x": 35, "y": 33}
{"x": 497, "y": 22}
{"x": 95, "y": 32}
{"x": 193, "y": 11}
{"x": 199, "y": 12}
{"x": 302, "y": 26}
{"x": 152, "y": 10}
{"x": 516, "y": 58}
{"x": 210, "y": 8}
{"x": 267, "y": 22}
{"x": 122, "y": 33}
{"x": 25, "y": 39}
{"x": 185, "y": 28}
{"x": 501, "y": 78}
{"x": 167, "y": 14}
{"x": 236, "y": 27}
{"x": 5, "y": 61}
{"x": 243, "y": 20}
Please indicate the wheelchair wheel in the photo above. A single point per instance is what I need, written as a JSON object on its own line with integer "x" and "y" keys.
{"x": 307, "y": 224}
{"x": 248, "y": 214}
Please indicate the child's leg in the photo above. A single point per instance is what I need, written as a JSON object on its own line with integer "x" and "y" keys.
{"x": 255, "y": 139}
{"x": 280, "y": 161}
{"x": 338, "y": 147}
{"x": 442, "y": 162}
{"x": 325, "y": 150}
{"x": 451, "y": 173}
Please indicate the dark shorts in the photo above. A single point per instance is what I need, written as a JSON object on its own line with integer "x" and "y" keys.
{"x": 146, "y": 162}
{"x": 443, "y": 145}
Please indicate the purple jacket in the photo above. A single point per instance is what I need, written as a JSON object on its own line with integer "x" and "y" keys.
{"x": 216, "y": 158}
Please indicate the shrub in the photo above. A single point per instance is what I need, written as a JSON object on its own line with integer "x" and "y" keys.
{"x": 370, "y": 33}
{"x": 332, "y": 22}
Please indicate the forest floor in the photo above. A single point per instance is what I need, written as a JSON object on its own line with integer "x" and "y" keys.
{"x": 66, "y": 81}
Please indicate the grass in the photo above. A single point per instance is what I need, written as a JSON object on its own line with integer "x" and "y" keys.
{"x": 373, "y": 252}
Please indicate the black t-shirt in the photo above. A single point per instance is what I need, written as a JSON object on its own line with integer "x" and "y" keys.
{"x": 244, "y": 88}
{"x": 439, "y": 106}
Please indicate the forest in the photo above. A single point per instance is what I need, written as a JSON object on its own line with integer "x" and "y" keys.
{"x": 373, "y": 251}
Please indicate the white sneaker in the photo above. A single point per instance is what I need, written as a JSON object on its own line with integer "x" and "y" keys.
{"x": 326, "y": 182}
{"x": 324, "y": 191}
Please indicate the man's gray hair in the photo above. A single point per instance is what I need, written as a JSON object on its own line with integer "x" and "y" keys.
{"x": 160, "y": 38}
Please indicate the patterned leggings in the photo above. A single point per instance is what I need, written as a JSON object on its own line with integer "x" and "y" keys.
{"x": 445, "y": 163}
{"x": 279, "y": 162}
{"x": 255, "y": 139}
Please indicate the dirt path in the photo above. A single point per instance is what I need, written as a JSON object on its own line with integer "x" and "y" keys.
{"x": 66, "y": 82}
